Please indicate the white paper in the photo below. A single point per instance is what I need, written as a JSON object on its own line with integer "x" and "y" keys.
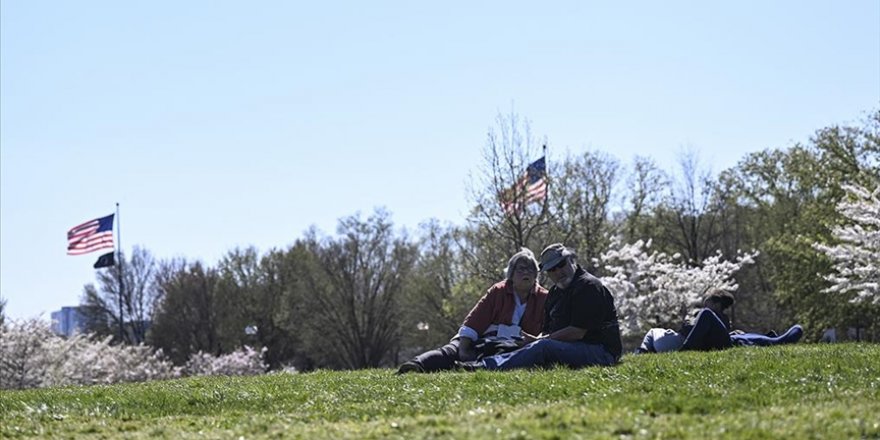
{"x": 509, "y": 331}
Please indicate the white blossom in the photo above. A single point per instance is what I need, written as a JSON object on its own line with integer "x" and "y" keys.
{"x": 33, "y": 356}
{"x": 856, "y": 257}
{"x": 243, "y": 362}
{"x": 653, "y": 289}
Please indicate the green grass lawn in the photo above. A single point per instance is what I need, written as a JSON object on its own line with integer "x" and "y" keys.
{"x": 801, "y": 391}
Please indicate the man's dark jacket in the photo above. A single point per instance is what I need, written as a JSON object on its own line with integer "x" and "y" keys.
{"x": 586, "y": 303}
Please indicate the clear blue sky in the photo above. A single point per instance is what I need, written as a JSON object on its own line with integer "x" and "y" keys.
{"x": 222, "y": 124}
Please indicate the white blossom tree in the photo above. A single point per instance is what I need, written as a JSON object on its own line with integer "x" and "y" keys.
{"x": 653, "y": 289}
{"x": 245, "y": 361}
{"x": 23, "y": 349}
{"x": 32, "y": 356}
{"x": 856, "y": 256}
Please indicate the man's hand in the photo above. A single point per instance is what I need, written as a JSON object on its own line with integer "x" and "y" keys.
{"x": 569, "y": 333}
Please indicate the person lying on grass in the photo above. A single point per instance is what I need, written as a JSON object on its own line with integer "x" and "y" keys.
{"x": 580, "y": 321}
{"x": 511, "y": 311}
{"x": 711, "y": 331}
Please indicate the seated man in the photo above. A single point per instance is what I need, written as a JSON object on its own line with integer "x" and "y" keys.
{"x": 711, "y": 331}
{"x": 511, "y": 308}
{"x": 580, "y": 321}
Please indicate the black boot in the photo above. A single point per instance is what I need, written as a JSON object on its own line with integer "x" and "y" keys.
{"x": 410, "y": 367}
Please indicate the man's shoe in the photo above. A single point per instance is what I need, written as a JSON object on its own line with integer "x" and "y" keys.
{"x": 470, "y": 366}
{"x": 793, "y": 335}
{"x": 410, "y": 367}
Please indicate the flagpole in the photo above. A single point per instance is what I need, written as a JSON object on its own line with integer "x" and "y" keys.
{"x": 546, "y": 170}
{"x": 121, "y": 274}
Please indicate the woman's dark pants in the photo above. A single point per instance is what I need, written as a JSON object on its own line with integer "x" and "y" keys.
{"x": 440, "y": 359}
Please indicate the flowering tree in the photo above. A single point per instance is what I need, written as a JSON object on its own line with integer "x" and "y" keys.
{"x": 22, "y": 354}
{"x": 857, "y": 255}
{"x": 653, "y": 289}
{"x": 243, "y": 362}
{"x": 32, "y": 356}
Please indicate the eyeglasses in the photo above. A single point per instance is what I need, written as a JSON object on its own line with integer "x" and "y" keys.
{"x": 557, "y": 267}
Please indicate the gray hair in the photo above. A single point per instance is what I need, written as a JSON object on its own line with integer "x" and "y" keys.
{"x": 523, "y": 256}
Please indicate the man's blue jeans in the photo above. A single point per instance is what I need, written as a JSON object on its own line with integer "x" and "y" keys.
{"x": 548, "y": 352}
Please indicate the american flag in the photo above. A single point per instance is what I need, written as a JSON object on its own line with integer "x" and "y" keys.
{"x": 90, "y": 236}
{"x": 531, "y": 187}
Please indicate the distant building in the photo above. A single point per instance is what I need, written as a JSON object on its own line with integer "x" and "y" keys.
{"x": 67, "y": 321}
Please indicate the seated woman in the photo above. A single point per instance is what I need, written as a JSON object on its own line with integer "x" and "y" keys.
{"x": 510, "y": 309}
{"x": 711, "y": 331}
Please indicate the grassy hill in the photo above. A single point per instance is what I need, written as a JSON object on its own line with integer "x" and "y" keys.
{"x": 801, "y": 391}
